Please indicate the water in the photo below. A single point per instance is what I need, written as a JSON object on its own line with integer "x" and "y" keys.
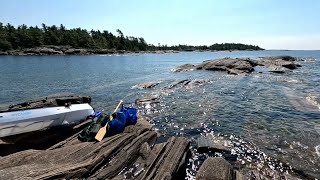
{"x": 277, "y": 114}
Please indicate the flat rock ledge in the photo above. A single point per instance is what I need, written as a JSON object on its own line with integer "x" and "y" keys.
{"x": 237, "y": 66}
{"x": 135, "y": 153}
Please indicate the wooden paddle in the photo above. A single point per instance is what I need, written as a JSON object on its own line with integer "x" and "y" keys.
{"x": 102, "y": 131}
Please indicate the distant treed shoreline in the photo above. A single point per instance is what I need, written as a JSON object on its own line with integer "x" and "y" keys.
{"x": 31, "y": 39}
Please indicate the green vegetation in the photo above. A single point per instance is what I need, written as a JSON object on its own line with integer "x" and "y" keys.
{"x": 22, "y": 37}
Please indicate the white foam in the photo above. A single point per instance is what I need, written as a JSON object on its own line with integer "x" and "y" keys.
{"x": 317, "y": 150}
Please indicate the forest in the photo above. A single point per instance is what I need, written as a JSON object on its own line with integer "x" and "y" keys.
{"x": 23, "y": 37}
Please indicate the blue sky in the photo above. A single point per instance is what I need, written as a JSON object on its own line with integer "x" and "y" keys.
{"x": 272, "y": 24}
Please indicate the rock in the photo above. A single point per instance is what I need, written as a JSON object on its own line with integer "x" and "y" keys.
{"x": 104, "y": 51}
{"x": 49, "y": 51}
{"x": 278, "y": 64}
{"x": 148, "y": 100}
{"x": 285, "y": 58}
{"x": 76, "y": 51}
{"x": 215, "y": 168}
{"x": 42, "y": 51}
{"x": 231, "y": 66}
{"x": 16, "y": 53}
{"x": 195, "y": 83}
{"x": 3, "y": 53}
{"x": 239, "y": 176}
{"x": 188, "y": 84}
{"x": 283, "y": 63}
{"x": 185, "y": 67}
{"x": 210, "y": 142}
{"x": 146, "y": 85}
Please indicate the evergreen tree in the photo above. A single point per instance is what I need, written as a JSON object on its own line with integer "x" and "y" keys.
{"x": 28, "y": 37}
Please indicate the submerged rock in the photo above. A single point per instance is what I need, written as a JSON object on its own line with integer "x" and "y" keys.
{"x": 147, "y": 100}
{"x": 146, "y": 85}
{"x": 185, "y": 67}
{"x": 215, "y": 168}
{"x": 188, "y": 84}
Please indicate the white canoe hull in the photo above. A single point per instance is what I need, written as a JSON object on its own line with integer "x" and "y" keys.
{"x": 17, "y": 122}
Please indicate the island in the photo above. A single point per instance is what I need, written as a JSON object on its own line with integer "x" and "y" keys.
{"x": 58, "y": 40}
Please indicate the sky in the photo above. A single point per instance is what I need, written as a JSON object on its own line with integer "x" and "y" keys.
{"x": 270, "y": 24}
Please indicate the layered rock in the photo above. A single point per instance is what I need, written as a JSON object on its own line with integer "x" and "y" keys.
{"x": 110, "y": 159}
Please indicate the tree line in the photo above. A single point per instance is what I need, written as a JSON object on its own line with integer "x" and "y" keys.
{"x": 22, "y": 36}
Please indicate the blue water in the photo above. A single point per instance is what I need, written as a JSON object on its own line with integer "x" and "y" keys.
{"x": 269, "y": 110}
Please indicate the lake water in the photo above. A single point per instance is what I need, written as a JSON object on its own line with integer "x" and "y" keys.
{"x": 274, "y": 113}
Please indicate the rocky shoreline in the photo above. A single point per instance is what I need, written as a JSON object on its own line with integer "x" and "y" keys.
{"x": 68, "y": 50}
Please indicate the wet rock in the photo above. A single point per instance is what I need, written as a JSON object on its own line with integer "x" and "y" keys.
{"x": 147, "y": 85}
{"x": 147, "y": 100}
{"x": 210, "y": 142}
{"x": 195, "y": 83}
{"x": 277, "y": 69}
{"x": 185, "y": 67}
{"x": 188, "y": 84}
{"x": 178, "y": 83}
{"x": 215, "y": 168}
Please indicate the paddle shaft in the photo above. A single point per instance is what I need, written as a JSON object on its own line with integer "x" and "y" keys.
{"x": 102, "y": 132}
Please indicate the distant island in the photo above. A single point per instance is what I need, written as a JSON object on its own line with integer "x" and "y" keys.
{"x": 48, "y": 40}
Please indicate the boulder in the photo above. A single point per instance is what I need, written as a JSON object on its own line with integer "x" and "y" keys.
{"x": 215, "y": 168}
{"x": 185, "y": 67}
{"x": 3, "y": 53}
{"x": 231, "y": 66}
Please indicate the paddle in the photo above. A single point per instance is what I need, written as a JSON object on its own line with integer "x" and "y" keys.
{"x": 102, "y": 131}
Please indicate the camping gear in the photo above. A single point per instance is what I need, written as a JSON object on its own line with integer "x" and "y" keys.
{"x": 102, "y": 132}
{"x": 124, "y": 117}
{"x": 44, "y": 113}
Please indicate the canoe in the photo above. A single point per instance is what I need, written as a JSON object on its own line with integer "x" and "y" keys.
{"x": 44, "y": 113}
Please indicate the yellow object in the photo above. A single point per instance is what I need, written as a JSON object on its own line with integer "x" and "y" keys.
{"x": 102, "y": 131}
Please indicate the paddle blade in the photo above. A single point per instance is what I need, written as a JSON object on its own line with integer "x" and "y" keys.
{"x": 101, "y": 133}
